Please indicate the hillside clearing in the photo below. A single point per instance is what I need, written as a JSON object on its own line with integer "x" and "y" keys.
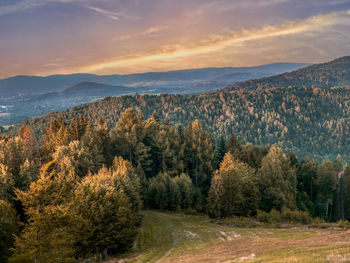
{"x": 169, "y": 237}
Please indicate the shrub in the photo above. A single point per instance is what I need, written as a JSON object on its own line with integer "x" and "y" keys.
{"x": 286, "y": 216}
{"x": 262, "y": 216}
{"x": 343, "y": 224}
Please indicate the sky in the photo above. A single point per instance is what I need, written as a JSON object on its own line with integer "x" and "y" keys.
{"x": 44, "y": 37}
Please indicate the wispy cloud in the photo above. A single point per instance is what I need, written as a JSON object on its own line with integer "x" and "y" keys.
{"x": 28, "y": 4}
{"x": 149, "y": 31}
{"x": 224, "y": 6}
{"x": 111, "y": 14}
{"x": 217, "y": 43}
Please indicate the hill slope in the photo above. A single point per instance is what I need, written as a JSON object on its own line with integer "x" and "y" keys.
{"x": 26, "y": 97}
{"x": 330, "y": 74}
{"x": 307, "y": 121}
{"x": 173, "y": 237}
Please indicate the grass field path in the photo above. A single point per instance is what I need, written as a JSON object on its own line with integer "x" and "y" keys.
{"x": 171, "y": 237}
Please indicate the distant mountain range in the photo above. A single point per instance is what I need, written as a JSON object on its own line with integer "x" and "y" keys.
{"x": 306, "y": 111}
{"x": 31, "y": 96}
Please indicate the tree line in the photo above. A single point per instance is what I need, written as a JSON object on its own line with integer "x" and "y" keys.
{"x": 79, "y": 192}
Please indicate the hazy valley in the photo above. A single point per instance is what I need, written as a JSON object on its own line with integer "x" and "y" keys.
{"x": 23, "y": 97}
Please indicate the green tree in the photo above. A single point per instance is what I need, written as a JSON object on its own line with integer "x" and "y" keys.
{"x": 346, "y": 175}
{"x": 130, "y": 129}
{"x": 47, "y": 236}
{"x": 199, "y": 155}
{"x": 327, "y": 184}
{"x": 306, "y": 184}
{"x": 164, "y": 193}
{"x": 106, "y": 223}
{"x": 126, "y": 179}
{"x": 74, "y": 157}
{"x": 30, "y": 145}
{"x": 233, "y": 190}
{"x": 222, "y": 148}
{"x": 277, "y": 181}
{"x": 7, "y": 184}
{"x": 187, "y": 190}
{"x": 8, "y": 228}
{"x": 234, "y": 147}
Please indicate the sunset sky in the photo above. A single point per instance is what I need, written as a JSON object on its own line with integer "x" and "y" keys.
{"x": 43, "y": 37}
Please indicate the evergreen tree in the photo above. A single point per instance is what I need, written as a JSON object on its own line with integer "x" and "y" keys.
{"x": 8, "y": 228}
{"x": 130, "y": 128}
{"x": 306, "y": 184}
{"x": 234, "y": 147}
{"x": 7, "y": 184}
{"x": 346, "y": 176}
{"x": 199, "y": 155}
{"x": 222, "y": 148}
{"x": 327, "y": 184}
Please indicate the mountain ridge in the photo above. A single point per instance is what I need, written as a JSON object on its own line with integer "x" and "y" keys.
{"x": 29, "y": 85}
{"x": 328, "y": 74}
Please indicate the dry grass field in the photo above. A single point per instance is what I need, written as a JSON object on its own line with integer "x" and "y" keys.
{"x": 166, "y": 237}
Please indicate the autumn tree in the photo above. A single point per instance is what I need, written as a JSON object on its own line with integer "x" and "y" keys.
{"x": 233, "y": 190}
{"x": 74, "y": 157}
{"x": 199, "y": 155}
{"x": 234, "y": 147}
{"x": 277, "y": 181}
{"x": 30, "y": 145}
{"x": 106, "y": 223}
{"x": 129, "y": 131}
{"x": 46, "y": 236}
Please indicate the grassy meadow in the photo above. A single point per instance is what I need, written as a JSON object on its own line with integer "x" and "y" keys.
{"x": 171, "y": 237}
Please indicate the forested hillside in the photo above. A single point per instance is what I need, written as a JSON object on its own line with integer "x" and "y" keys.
{"x": 78, "y": 194}
{"x": 307, "y": 121}
{"x": 335, "y": 73}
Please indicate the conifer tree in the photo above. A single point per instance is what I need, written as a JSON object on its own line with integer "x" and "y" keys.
{"x": 346, "y": 175}
{"x": 327, "y": 184}
{"x": 222, "y": 148}
{"x": 234, "y": 147}
{"x": 8, "y": 228}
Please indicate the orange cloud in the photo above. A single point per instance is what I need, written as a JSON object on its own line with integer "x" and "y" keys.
{"x": 217, "y": 43}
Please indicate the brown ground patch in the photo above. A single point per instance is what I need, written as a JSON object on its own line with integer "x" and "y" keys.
{"x": 249, "y": 247}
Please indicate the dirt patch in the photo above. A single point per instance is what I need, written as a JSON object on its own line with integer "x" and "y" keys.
{"x": 243, "y": 249}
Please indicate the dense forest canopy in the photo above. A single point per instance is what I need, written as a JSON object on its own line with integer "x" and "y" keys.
{"x": 79, "y": 192}
{"x": 307, "y": 121}
{"x": 335, "y": 73}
